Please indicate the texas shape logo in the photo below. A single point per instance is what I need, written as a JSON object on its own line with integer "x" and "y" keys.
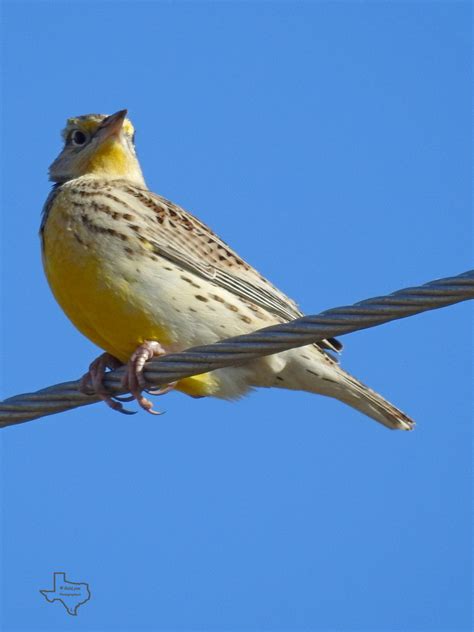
{"x": 70, "y": 594}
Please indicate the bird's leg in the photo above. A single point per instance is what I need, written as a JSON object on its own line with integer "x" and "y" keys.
{"x": 95, "y": 378}
{"x": 134, "y": 380}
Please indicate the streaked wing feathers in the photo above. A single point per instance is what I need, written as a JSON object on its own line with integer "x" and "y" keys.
{"x": 182, "y": 238}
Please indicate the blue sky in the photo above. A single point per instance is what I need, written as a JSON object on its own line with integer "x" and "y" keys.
{"x": 330, "y": 144}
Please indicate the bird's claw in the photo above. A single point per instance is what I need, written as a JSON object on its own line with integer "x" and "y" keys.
{"x": 94, "y": 379}
{"x": 161, "y": 390}
{"x": 124, "y": 398}
{"x": 134, "y": 379}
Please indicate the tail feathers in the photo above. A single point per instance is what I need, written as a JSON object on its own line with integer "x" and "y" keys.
{"x": 367, "y": 401}
{"x": 319, "y": 374}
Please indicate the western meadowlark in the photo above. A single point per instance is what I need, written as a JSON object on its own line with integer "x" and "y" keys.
{"x": 140, "y": 277}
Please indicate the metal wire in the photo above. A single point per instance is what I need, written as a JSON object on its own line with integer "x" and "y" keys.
{"x": 241, "y": 349}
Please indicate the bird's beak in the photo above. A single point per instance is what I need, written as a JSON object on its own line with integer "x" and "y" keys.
{"x": 111, "y": 126}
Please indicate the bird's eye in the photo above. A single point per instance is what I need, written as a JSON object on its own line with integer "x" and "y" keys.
{"x": 77, "y": 137}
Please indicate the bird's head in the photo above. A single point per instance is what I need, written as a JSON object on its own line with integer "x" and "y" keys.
{"x": 98, "y": 145}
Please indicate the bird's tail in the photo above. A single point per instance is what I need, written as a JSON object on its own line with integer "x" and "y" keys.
{"x": 326, "y": 377}
{"x": 356, "y": 394}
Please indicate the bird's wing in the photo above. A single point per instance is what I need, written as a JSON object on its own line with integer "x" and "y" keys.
{"x": 180, "y": 237}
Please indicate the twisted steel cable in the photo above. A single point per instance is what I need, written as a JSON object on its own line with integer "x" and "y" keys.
{"x": 241, "y": 349}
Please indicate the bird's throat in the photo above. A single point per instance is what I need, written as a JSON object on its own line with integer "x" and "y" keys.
{"x": 110, "y": 159}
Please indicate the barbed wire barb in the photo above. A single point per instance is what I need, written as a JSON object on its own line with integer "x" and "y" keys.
{"x": 240, "y": 349}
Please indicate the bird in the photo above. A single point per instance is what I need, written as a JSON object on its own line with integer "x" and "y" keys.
{"x": 141, "y": 277}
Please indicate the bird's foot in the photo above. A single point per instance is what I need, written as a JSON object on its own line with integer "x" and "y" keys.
{"x": 94, "y": 378}
{"x": 134, "y": 380}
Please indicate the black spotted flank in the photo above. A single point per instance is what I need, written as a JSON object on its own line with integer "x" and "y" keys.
{"x": 188, "y": 280}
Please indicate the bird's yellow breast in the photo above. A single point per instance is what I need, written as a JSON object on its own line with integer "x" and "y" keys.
{"x": 104, "y": 304}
